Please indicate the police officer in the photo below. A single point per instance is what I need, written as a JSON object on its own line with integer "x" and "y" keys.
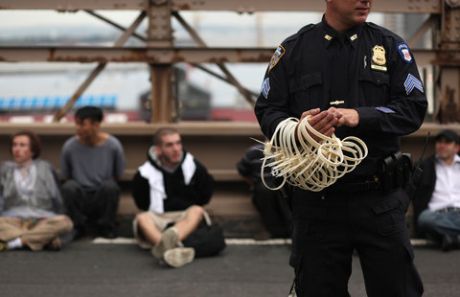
{"x": 352, "y": 78}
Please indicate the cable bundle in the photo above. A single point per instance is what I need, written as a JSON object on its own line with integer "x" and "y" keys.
{"x": 295, "y": 156}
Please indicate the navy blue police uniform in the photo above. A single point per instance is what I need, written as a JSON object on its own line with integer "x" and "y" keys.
{"x": 371, "y": 70}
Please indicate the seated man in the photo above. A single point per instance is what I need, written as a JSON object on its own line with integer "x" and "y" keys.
{"x": 272, "y": 205}
{"x": 30, "y": 203}
{"x": 91, "y": 162}
{"x": 437, "y": 198}
{"x": 173, "y": 186}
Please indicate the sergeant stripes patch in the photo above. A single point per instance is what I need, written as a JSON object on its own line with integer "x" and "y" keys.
{"x": 412, "y": 83}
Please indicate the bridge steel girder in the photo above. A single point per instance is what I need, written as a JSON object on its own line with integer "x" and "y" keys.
{"x": 448, "y": 103}
{"x": 166, "y": 56}
{"x": 160, "y": 53}
{"x": 160, "y": 34}
{"x": 249, "y": 6}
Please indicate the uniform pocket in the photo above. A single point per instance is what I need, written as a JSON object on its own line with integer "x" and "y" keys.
{"x": 389, "y": 217}
{"x": 307, "y": 91}
{"x": 375, "y": 88}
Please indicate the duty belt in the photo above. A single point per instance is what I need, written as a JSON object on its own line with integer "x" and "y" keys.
{"x": 365, "y": 185}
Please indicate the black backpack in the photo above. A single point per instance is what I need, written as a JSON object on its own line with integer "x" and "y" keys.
{"x": 207, "y": 240}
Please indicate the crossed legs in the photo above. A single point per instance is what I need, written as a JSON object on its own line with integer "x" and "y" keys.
{"x": 35, "y": 234}
{"x": 153, "y": 230}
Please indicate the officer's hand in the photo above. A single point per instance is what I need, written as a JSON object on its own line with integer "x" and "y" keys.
{"x": 348, "y": 117}
{"x": 322, "y": 121}
{"x": 311, "y": 112}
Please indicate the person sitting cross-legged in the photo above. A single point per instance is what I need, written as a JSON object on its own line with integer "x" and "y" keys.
{"x": 92, "y": 162}
{"x": 31, "y": 209}
{"x": 173, "y": 187}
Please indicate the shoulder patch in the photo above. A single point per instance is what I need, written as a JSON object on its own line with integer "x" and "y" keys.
{"x": 412, "y": 83}
{"x": 279, "y": 53}
{"x": 266, "y": 87}
{"x": 405, "y": 53}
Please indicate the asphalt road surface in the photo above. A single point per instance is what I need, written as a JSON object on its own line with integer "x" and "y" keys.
{"x": 98, "y": 270}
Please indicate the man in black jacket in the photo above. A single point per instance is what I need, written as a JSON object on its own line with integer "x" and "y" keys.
{"x": 172, "y": 186}
{"x": 273, "y": 206}
{"x": 437, "y": 197}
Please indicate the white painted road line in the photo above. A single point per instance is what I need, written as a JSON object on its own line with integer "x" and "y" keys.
{"x": 238, "y": 241}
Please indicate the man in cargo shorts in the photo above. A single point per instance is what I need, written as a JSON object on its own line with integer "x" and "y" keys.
{"x": 172, "y": 187}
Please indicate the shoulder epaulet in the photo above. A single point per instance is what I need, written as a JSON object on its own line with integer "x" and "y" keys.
{"x": 383, "y": 30}
{"x": 285, "y": 45}
{"x": 374, "y": 26}
{"x": 300, "y": 32}
{"x": 305, "y": 29}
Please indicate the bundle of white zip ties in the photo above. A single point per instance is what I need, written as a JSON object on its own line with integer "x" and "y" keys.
{"x": 298, "y": 159}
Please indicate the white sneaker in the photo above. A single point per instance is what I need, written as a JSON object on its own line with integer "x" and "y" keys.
{"x": 169, "y": 240}
{"x": 179, "y": 257}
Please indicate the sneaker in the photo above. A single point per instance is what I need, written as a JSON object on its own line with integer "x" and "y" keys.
{"x": 179, "y": 257}
{"x": 169, "y": 240}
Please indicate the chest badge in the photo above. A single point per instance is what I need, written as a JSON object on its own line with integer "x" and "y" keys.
{"x": 379, "y": 60}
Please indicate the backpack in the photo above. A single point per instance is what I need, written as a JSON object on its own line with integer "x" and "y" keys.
{"x": 207, "y": 240}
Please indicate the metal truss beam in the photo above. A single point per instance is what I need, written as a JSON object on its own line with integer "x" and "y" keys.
{"x": 442, "y": 57}
{"x": 422, "y": 30}
{"x": 96, "y": 71}
{"x": 160, "y": 34}
{"x": 134, "y": 54}
{"x": 389, "y": 6}
{"x": 144, "y": 39}
{"x": 250, "y": 98}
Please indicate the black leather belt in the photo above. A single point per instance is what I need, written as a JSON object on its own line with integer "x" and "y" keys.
{"x": 449, "y": 209}
{"x": 366, "y": 185}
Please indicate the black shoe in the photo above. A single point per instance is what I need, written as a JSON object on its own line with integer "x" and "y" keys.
{"x": 449, "y": 242}
{"x": 79, "y": 233}
{"x": 3, "y": 246}
{"x": 107, "y": 232}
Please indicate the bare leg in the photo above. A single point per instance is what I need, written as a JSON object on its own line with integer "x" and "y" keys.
{"x": 167, "y": 249}
{"x": 148, "y": 228}
{"x": 187, "y": 225}
{"x": 184, "y": 227}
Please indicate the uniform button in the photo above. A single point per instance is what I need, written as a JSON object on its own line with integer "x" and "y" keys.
{"x": 322, "y": 197}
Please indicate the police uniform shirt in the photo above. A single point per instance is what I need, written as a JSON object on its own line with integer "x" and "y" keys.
{"x": 367, "y": 68}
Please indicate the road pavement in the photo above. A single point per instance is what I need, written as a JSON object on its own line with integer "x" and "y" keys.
{"x": 87, "y": 269}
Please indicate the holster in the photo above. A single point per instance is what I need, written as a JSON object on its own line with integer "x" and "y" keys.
{"x": 395, "y": 171}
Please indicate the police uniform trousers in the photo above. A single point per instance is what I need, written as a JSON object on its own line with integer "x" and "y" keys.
{"x": 329, "y": 226}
